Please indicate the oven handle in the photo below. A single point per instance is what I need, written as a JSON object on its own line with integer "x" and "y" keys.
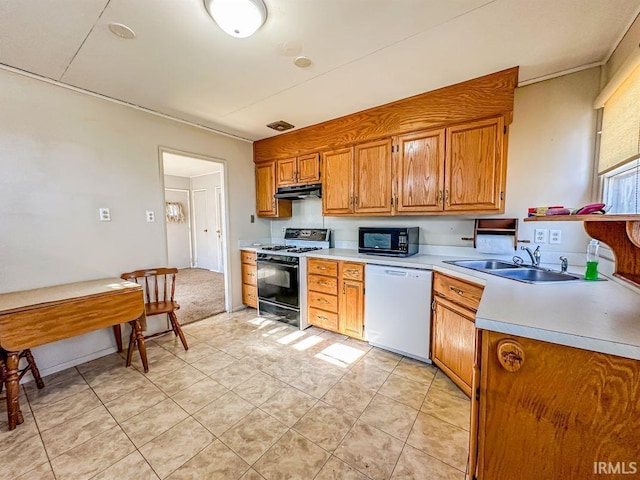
{"x": 289, "y": 265}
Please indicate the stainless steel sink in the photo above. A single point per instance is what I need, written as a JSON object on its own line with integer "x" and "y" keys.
{"x": 483, "y": 264}
{"x": 521, "y": 273}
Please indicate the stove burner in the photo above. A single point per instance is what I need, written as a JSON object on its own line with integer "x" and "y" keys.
{"x": 304, "y": 249}
{"x": 276, "y": 247}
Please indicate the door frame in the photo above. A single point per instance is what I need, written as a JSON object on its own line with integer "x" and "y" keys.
{"x": 224, "y": 177}
{"x": 217, "y": 195}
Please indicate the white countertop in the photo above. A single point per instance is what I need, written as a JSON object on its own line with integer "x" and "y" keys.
{"x": 600, "y": 316}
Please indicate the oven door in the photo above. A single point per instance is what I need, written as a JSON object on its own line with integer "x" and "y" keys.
{"x": 278, "y": 283}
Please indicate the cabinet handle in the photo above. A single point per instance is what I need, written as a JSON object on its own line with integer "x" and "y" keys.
{"x": 343, "y": 288}
{"x": 446, "y": 197}
{"x": 321, "y": 317}
{"x": 457, "y": 290}
{"x": 510, "y": 355}
{"x": 323, "y": 283}
{"x": 439, "y": 196}
{"x": 353, "y": 271}
{"x": 321, "y": 300}
{"x": 321, "y": 268}
{"x": 355, "y": 200}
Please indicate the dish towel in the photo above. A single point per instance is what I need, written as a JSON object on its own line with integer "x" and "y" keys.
{"x": 496, "y": 244}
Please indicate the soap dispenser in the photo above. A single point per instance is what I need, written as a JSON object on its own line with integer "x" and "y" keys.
{"x": 592, "y": 261}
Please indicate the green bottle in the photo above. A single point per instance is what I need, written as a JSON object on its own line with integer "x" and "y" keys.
{"x": 592, "y": 261}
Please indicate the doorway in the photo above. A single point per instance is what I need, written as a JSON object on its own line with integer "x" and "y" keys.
{"x": 195, "y": 226}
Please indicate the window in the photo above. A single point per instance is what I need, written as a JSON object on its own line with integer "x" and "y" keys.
{"x": 619, "y": 161}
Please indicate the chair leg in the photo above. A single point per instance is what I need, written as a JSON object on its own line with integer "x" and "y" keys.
{"x": 177, "y": 329}
{"x": 132, "y": 341}
{"x": 34, "y": 369}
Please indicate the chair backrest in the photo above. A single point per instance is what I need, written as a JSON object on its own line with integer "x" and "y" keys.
{"x": 159, "y": 284}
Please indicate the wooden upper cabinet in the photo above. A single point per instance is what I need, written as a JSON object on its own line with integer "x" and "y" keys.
{"x": 266, "y": 204}
{"x": 287, "y": 171}
{"x": 475, "y": 167}
{"x": 373, "y": 178}
{"x": 419, "y": 173}
{"x": 299, "y": 170}
{"x": 309, "y": 168}
{"x": 337, "y": 182}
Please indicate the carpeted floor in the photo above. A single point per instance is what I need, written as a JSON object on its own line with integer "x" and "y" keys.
{"x": 200, "y": 294}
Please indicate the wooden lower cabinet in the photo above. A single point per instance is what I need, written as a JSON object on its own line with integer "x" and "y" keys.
{"x": 249, "y": 278}
{"x": 453, "y": 328}
{"x": 335, "y": 296}
{"x": 548, "y": 411}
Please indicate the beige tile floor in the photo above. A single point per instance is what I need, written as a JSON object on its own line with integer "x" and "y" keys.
{"x": 251, "y": 399}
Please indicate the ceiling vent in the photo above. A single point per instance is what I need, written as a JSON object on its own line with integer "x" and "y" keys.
{"x": 280, "y": 126}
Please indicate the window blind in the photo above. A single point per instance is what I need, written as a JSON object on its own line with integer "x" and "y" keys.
{"x": 620, "y": 141}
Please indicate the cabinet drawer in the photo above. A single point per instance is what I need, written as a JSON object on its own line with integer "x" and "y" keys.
{"x": 318, "y": 283}
{"x": 323, "y": 301}
{"x": 353, "y": 271}
{"x": 249, "y": 274}
{"x": 323, "y": 319}
{"x": 323, "y": 267}
{"x": 248, "y": 257}
{"x": 457, "y": 291}
{"x": 250, "y": 295}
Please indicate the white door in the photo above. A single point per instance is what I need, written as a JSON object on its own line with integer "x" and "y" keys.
{"x": 219, "y": 224}
{"x": 204, "y": 229}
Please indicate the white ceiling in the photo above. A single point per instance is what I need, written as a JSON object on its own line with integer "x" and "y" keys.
{"x": 182, "y": 166}
{"x": 365, "y": 52}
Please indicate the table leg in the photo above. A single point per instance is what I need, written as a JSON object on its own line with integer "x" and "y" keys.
{"x": 142, "y": 348}
{"x": 118, "y": 334}
{"x": 13, "y": 390}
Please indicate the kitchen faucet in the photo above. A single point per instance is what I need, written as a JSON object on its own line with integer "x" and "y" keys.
{"x": 535, "y": 255}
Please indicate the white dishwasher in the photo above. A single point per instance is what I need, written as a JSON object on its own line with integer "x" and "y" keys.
{"x": 398, "y": 309}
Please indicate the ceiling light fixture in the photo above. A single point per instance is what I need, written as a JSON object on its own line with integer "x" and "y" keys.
{"x": 122, "y": 31}
{"x": 302, "y": 61}
{"x": 238, "y": 18}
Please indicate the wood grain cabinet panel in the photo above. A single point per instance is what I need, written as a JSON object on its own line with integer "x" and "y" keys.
{"x": 337, "y": 182}
{"x": 266, "y": 204}
{"x": 419, "y": 173}
{"x": 300, "y": 170}
{"x": 249, "y": 278}
{"x": 373, "y": 178}
{"x": 335, "y": 295}
{"x": 453, "y": 328}
{"x": 557, "y": 415}
{"x": 474, "y": 166}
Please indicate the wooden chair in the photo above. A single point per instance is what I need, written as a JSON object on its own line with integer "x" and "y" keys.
{"x": 159, "y": 287}
{"x": 30, "y": 366}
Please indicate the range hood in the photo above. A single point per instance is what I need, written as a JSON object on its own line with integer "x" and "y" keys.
{"x": 299, "y": 192}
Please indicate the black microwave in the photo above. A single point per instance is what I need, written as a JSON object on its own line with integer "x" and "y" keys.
{"x": 392, "y": 241}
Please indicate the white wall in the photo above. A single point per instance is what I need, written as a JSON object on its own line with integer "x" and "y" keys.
{"x": 178, "y": 233}
{"x": 63, "y": 155}
{"x": 550, "y": 162}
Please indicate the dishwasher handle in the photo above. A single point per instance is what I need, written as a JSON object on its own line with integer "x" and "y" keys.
{"x": 395, "y": 273}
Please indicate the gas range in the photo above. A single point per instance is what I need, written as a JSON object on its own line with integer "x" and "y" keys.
{"x": 280, "y": 273}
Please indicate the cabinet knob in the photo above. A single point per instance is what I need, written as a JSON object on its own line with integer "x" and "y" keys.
{"x": 456, "y": 290}
{"x": 510, "y": 355}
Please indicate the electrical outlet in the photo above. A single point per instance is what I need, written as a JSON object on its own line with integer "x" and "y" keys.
{"x": 540, "y": 235}
{"x": 104, "y": 214}
{"x": 284, "y": 229}
{"x": 151, "y": 216}
{"x": 555, "y": 236}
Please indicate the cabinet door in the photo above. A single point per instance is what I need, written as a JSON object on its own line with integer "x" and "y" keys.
{"x": 559, "y": 415}
{"x": 373, "y": 177}
{"x": 266, "y": 204}
{"x": 474, "y": 169}
{"x": 286, "y": 169}
{"x": 309, "y": 168}
{"x": 420, "y": 172}
{"x": 337, "y": 182}
{"x": 452, "y": 342}
{"x": 352, "y": 308}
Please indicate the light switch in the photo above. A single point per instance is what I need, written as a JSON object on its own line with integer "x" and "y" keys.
{"x": 104, "y": 214}
{"x": 151, "y": 216}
